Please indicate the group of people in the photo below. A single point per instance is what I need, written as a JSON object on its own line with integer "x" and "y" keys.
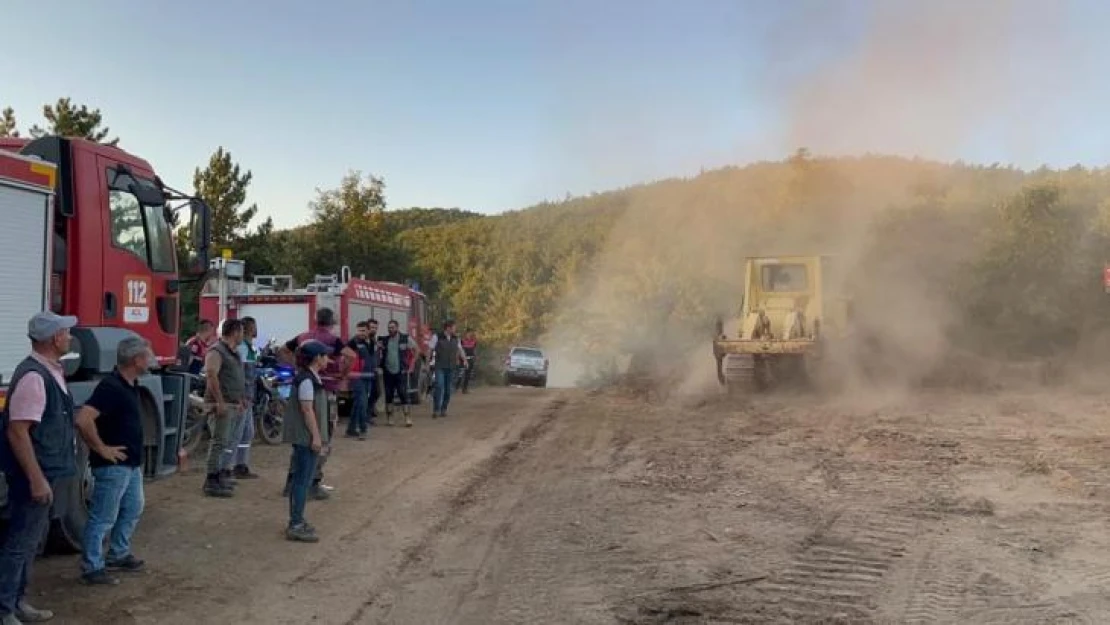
{"x": 40, "y": 424}
{"x": 324, "y": 364}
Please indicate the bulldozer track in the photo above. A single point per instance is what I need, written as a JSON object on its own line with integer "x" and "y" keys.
{"x": 840, "y": 571}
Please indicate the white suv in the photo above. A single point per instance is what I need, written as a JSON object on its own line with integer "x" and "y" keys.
{"x": 526, "y": 366}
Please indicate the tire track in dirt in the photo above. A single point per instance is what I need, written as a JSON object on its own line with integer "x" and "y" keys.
{"x": 497, "y": 464}
{"x": 841, "y": 570}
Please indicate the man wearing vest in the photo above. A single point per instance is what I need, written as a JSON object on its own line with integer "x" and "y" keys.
{"x": 306, "y": 427}
{"x": 447, "y": 357}
{"x": 337, "y": 367}
{"x": 397, "y": 364}
{"x": 36, "y": 449}
{"x": 362, "y": 380}
{"x": 226, "y": 391}
{"x": 237, "y": 459}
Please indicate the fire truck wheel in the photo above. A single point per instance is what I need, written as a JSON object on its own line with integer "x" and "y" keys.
{"x": 71, "y": 499}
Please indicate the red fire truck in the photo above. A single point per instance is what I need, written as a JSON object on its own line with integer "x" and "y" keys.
{"x": 282, "y": 311}
{"x": 88, "y": 232}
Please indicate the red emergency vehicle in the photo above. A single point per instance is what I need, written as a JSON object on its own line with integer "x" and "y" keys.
{"x": 88, "y": 232}
{"x": 283, "y": 311}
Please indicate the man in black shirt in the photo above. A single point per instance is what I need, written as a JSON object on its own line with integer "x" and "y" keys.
{"x": 362, "y": 379}
{"x": 111, "y": 424}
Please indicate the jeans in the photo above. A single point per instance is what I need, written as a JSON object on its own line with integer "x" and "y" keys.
{"x": 117, "y": 503}
{"x": 26, "y": 530}
{"x": 395, "y": 389}
{"x": 321, "y": 459}
{"x": 303, "y": 464}
{"x": 222, "y": 425}
{"x": 445, "y": 379}
{"x": 360, "y": 394}
{"x": 246, "y": 437}
{"x": 235, "y": 440}
{"x": 464, "y": 376}
{"x": 375, "y": 395}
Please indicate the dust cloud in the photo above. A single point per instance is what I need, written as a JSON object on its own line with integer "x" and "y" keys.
{"x": 925, "y": 79}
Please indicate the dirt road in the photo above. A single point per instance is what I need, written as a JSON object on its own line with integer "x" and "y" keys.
{"x": 560, "y": 507}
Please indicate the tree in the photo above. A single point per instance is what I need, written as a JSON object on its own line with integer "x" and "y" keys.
{"x": 348, "y": 228}
{"x": 8, "y": 126}
{"x": 69, "y": 120}
{"x": 223, "y": 185}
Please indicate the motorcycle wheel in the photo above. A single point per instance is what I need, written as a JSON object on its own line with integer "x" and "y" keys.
{"x": 196, "y": 422}
{"x": 269, "y": 425}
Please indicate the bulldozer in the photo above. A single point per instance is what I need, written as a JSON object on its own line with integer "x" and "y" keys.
{"x": 790, "y": 319}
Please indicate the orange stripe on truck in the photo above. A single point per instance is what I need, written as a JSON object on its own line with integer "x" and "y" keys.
{"x": 47, "y": 171}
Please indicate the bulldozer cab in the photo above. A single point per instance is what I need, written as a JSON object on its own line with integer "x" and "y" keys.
{"x": 792, "y": 297}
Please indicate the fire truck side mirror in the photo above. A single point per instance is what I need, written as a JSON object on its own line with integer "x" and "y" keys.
{"x": 200, "y": 236}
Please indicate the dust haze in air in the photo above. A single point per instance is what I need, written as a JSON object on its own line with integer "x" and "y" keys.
{"x": 923, "y": 79}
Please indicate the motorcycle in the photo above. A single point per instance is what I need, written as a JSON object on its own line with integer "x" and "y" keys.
{"x": 196, "y": 415}
{"x": 274, "y": 389}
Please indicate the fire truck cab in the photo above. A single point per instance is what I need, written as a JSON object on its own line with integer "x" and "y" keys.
{"x": 88, "y": 232}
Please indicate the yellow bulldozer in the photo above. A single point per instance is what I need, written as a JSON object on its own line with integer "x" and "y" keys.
{"x": 791, "y": 318}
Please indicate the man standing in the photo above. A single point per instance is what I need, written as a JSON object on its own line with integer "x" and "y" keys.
{"x": 375, "y": 392}
{"x": 111, "y": 424}
{"x": 362, "y": 379}
{"x": 470, "y": 352}
{"x": 398, "y": 362}
{"x": 447, "y": 357}
{"x": 226, "y": 390}
{"x": 306, "y": 425}
{"x": 237, "y": 463}
{"x": 330, "y": 377}
{"x": 36, "y": 450}
{"x": 198, "y": 345}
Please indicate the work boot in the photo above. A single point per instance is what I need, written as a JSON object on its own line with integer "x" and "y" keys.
{"x": 227, "y": 479}
{"x": 127, "y": 564}
{"x": 214, "y": 488}
{"x": 318, "y": 492}
{"x": 27, "y": 613}
{"x": 303, "y": 533}
{"x": 243, "y": 472}
{"x": 98, "y": 577}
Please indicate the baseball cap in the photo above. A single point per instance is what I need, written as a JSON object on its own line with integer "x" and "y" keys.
{"x": 313, "y": 348}
{"x": 44, "y": 325}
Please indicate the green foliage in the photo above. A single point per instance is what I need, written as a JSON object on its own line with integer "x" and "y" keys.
{"x": 8, "y": 126}
{"x": 67, "y": 119}
{"x": 348, "y": 228}
{"x": 223, "y": 185}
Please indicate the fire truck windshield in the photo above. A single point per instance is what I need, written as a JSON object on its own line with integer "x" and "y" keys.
{"x": 138, "y": 219}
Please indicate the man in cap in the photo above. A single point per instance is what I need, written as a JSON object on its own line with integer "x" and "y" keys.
{"x": 36, "y": 450}
{"x": 111, "y": 423}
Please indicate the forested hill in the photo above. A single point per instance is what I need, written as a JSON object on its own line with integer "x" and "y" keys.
{"x": 991, "y": 259}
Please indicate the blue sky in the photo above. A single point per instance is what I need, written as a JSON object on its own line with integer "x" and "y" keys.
{"x": 492, "y": 105}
